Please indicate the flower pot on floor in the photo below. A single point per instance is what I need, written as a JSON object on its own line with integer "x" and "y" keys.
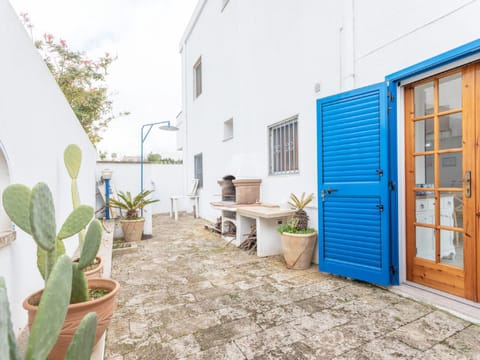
{"x": 298, "y": 249}
{"x": 132, "y": 229}
{"x": 103, "y": 306}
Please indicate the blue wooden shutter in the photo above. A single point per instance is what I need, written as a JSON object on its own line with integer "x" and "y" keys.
{"x": 353, "y": 173}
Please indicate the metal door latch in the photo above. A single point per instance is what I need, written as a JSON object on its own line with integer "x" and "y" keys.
{"x": 468, "y": 184}
{"x": 328, "y": 191}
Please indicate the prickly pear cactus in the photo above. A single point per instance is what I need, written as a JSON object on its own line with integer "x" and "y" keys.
{"x": 8, "y": 344}
{"x": 76, "y": 221}
{"x": 34, "y": 212}
{"x": 42, "y": 257}
{"x": 42, "y": 217}
{"x": 48, "y": 320}
{"x": 84, "y": 339}
{"x": 89, "y": 251}
{"x": 51, "y": 311}
{"x": 92, "y": 244}
{"x": 79, "y": 285}
{"x": 72, "y": 157}
{"x": 16, "y": 201}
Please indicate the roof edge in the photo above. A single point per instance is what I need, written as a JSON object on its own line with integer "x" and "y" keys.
{"x": 191, "y": 24}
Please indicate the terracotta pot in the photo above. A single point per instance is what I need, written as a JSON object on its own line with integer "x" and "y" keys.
{"x": 132, "y": 229}
{"x": 96, "y": 272}
{"x": 298, "y": 249}
{"x": 103, "y": 306}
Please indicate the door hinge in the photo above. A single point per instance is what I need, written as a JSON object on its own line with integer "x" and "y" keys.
{"x": 379, "y": 172}
{"x": 393, "y": 270}
{"x": 380, "y": 207}
{"x": 391, "y": 185}
{"x": 390, "y": 96}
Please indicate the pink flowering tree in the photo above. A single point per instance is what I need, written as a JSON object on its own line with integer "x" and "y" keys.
{"x": 82, "y": 80}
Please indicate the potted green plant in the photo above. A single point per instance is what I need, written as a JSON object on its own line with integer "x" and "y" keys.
{"x": 32, "y": 210}
{"x": 49, "y": 320}
{"x": 298, "y": 240}
{"x": 132, "y": 223}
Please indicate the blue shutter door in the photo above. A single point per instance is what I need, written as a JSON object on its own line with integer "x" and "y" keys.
{"x": 353, "y": 174}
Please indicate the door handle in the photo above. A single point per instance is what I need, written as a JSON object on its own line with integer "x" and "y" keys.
{"x": 328, "y": 191}
{"x": 468, "y": 184}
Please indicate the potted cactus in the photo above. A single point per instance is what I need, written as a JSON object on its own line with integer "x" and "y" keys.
{"x": 32, "y": 210}
{"x": 49, "y": 320}
{"x": 298, "y": 240}
{"x": 72, "y": 157}
{"x": 132, "y": 223}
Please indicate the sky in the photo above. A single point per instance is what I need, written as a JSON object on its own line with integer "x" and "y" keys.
{"x": 145, "y": 79}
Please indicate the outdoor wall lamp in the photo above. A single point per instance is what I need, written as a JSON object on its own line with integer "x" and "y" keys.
{"x": 146, "y": 128}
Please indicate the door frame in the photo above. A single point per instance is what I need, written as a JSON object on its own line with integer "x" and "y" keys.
{"x": 396, "y": 81}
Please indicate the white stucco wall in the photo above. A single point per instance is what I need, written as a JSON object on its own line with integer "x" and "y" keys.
{"x": 262, "y": 59}
{"x": 36, "y": 124}
{"x": 165, "y": 180}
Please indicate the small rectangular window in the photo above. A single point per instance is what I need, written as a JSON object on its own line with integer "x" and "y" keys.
{"x": 197, "y": 78}
{"x": 228, "y": 130}
{"x": 198, "y": 169}
{"x": 283, "y": 147}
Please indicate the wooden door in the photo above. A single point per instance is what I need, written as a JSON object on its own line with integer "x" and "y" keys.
{"x": 440, "y": 133}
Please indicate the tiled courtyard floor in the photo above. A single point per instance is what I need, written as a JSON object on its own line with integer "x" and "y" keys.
{"x": 187, "y": 295}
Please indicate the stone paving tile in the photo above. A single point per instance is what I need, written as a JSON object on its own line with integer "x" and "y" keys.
{"x": 218, "y": 335}
{"x": 228, "y": 351}
{"x": 382, "y": 349}
{"x": 466, "y": 342}
{"x": 429, "y": 330}
{"x": 266, "y": 341}
{"x": 186, "y": 294}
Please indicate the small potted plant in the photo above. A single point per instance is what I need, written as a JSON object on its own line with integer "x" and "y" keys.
{"x": 132, "y": 223}
{"x": 298, "y": 240}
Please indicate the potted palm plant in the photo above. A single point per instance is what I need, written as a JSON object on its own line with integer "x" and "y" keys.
{"x": 132, "y": 223}
{"x": 298, "y": 240}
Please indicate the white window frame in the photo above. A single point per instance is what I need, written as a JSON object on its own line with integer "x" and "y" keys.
{"x": 198, "y": 168}
{"x": 197, "y": 78}
{"x": 228, "y": 129}
{"x": 283, "y": 147}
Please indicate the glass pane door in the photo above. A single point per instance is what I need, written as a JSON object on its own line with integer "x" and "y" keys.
{"x": 440, "y": 138}
{"x": 437, "y": 156}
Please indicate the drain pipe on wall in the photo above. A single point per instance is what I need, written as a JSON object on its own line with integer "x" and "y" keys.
{"x": 106, "y": 176}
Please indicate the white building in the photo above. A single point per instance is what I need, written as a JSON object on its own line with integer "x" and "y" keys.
{"x": 372, "y": 105}
{"x": 36, "y": 124}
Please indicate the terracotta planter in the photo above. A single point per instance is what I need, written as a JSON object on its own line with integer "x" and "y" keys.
{"x": 298, "y": 249}
{"x": 132, "y": 229}
{"x": 103, "y": 306}
{"x": 96, "y": 272}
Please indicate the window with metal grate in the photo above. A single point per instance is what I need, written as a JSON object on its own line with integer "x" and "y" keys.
{"x": 283, "y": 147}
